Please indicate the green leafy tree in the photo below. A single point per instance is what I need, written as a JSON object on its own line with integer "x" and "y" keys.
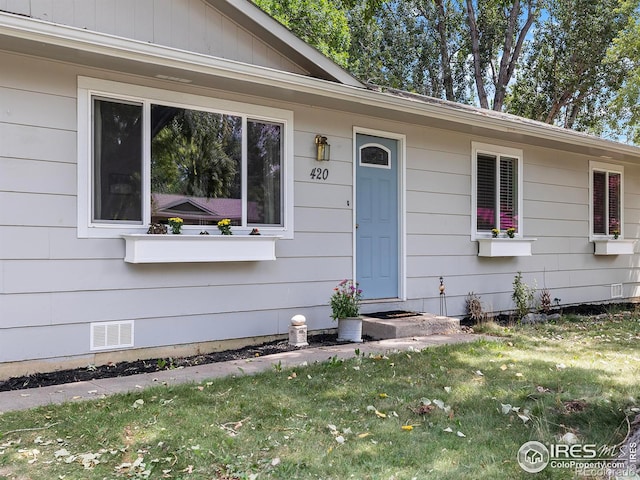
{"x": 440, "y": 36}
{"x": 625, "y": 51}
{"x": 412, "y": 45}
{"x": 497, "y": 32}
{"x": 321, "y": 23}
{"x": 564, "y": 78}
{"x": 540, "y": 59}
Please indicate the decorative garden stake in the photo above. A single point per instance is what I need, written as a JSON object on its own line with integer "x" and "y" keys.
{"x": 443, "y": 299}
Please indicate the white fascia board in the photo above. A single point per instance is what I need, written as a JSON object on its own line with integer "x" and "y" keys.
{"x": 145, "y": 53}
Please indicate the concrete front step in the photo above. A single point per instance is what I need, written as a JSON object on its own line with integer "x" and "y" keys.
{"x": 409, "y": 325}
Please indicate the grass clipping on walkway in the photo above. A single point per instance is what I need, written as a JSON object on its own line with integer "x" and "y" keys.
{"x": 446, "y": 412}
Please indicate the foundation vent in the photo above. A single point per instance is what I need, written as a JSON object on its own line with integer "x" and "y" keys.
{"x": 616, "y": 290}
{"x": 111, "y": 335}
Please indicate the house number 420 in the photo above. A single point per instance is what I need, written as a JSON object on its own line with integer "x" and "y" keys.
{"x": 319, "y": 173}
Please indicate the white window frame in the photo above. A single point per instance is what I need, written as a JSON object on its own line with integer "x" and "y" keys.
{"x": 606, "y": 168}
{"x": 498, "y": 151}
{"x": 92, "y": 87}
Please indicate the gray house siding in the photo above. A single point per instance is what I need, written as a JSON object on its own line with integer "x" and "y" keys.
{"x": 191, "y": 25}
{"x": 53, "y": 285}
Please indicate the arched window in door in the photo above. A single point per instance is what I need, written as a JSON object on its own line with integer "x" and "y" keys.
{"x": 375, "y": 156}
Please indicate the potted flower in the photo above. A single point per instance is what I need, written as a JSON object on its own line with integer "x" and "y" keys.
{"x": 615, "y": 229}
{"x": 224, "y": 226}
{"x": 345, "y": 308}
{"x": 495, "y": 232}
{"x": 511, "y": 232}
{"x": 176, "y": 225}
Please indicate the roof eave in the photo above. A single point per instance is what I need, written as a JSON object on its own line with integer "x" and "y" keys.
{"x": 107, "y": 51}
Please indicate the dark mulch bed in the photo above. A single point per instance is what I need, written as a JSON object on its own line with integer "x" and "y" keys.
{"x": 585, "y": 310}
{"x": 123, "y": 369}
{"x": 154, "y": 365}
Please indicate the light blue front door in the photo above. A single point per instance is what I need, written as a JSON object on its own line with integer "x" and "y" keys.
{"x": 377, "y": 216}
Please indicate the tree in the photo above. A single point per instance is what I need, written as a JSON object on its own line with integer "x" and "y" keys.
{"x": 321, "y": 23}
{"x": 447, "y": 24}
{"x": 540, "y": 59}
{"x": 490, "y": 32}
{"x": 497, "y": 31}
{"x": 625, "y": 51}
{"x": 564, "y": 79}
{"x": 412, "y": 45}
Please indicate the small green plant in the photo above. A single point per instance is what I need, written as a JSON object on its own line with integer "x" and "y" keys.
{"x": 278, "y": 366}
{"x": 335, "y": 361}
{"x": 523, "y": 296}
{"x": 165, "y": 364}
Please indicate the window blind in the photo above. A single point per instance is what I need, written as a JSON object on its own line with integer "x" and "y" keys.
{"x": 486, "y": 192}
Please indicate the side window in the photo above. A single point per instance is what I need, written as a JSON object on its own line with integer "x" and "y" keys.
{"x": 497, "y": 189}
{"x": 117, "y": 157}
{"x": 606, "y": 199}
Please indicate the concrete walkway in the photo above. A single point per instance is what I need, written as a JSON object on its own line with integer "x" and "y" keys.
{"x": 73, "y": 392}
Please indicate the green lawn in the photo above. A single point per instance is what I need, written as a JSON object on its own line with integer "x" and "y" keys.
{"x": 451, "y": 412}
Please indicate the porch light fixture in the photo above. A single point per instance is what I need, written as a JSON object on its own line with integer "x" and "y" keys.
{"x": 323, "y": 149}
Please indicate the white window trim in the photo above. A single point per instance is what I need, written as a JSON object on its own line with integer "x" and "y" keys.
{"x": 476, "y": 148}
{"x": 612, "y": 168}
{"x": 89, "y": 87}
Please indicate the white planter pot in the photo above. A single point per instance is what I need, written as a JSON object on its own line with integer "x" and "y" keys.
{"x": 505, "y": 247}
{"x": 198, "y": 248}
{"x": 613, "y": 247}
{"x": 350, "y": 329}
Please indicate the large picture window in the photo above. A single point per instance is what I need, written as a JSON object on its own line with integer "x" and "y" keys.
{"x": 497, "y": 189}
{"x": 606, "y": 199}
{"x": 150, "y": 159}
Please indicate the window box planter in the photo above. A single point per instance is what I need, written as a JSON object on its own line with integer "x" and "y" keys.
{"x": 613, "y": 247}
{"x": 504, "y": 247}
{"x": 143, "y": 248}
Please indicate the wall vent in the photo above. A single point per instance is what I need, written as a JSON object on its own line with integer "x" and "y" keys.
{"x": 616, "y": 290}
{"x": 111, "y": 335}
